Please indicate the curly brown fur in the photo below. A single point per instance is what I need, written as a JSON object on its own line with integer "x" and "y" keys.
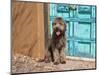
{"x": 57, "y": 43}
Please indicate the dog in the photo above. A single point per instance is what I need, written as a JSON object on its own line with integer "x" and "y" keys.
{"x": 57, "y": 43}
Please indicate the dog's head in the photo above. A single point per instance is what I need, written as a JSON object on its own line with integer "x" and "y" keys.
{"x": 59, "y": 26}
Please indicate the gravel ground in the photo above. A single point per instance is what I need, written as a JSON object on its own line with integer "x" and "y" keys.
{"x": 24, "y": 64}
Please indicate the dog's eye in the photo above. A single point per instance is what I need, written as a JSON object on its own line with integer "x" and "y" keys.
{"x": 60, "y": 23}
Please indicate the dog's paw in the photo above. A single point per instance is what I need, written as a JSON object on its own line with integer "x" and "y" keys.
{"x": 63, "y": 62}
{"x": 47, "y": 61}
{"x": 56, "y": 63}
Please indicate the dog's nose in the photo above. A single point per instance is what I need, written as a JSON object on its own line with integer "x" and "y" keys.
{"x": 57, "y": 28}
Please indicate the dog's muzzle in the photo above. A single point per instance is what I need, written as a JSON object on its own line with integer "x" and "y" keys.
{"x": 58, "y": 31}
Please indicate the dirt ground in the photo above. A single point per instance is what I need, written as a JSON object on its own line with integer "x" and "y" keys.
{"x": 24, "y": 64}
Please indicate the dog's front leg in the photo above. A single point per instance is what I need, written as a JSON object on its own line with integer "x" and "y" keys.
{"x": 62, "y": 56}
{"x": 48, "y": 57}
{"x": 56, "y": 56}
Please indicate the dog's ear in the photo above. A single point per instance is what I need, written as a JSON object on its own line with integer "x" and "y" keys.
{"x": 65, "y": 26}
{"x": 53, "y": 23}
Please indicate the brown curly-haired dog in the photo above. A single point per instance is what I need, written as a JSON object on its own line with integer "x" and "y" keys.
{"x": 57, "y": 43}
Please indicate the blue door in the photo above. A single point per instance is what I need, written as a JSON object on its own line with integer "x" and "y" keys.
{"x": 81, "y": 28}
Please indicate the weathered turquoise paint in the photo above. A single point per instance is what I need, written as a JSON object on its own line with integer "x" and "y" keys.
{"x": 81, "y": 28}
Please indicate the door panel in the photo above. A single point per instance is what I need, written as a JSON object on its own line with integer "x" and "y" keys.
{"x": 82, "y": 49}
{"x": 82, "y": 30}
